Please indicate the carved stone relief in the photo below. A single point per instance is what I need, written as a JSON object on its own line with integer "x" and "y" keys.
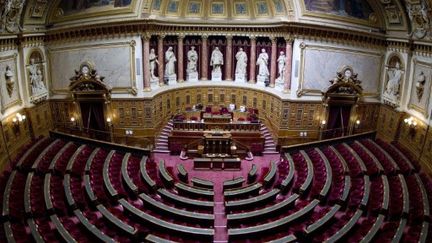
{"x": 393, "y": 82}
{"x": 36, "y": 77}
{"x": 10, "y": 11}
{"x": 420, "y": 15}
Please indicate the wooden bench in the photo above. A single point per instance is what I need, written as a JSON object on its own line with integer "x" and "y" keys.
{"x": 125, "y": 175}
{"x": 182, "y": 173}
{"x": 7, "y": 226}
{"x": 285, "y": 183}
{"x": 106, "y": 178}
{"x": 371, "y": 155}
{"x": 366, "y": 191}
{"x": 191, "y": 231}
{"x": 341, "y": 159}
{"x": 375, "y": 228}
{"x": 184, "y": 200}
{"x": 27, "y": 193}
{"x": 264, "y": 211}
{"x": 324, "y": 191}
{"x": 318, "y": 224}
{"x": 261, "y": 228}
{"x": 42, "y": 155}
{"x": 243, "y": 191}
{"x": 130, "y": 230}
{"x": 145, "y": 176}
{"x": 198, "y": 182}
{"x": 234, "y": 183}
{"x": 47, "y": 193}
{"x": 58, "y": 155}
{"x": 346, "y": 228}
{"x": 209, "y": 194}
{"x": 88, "y": 188}
{"x": 29, "y": 151}
{"x": 6, "y": 194}
{"x": 253, "y": 201}
{"x": 389, "y": 157}
{"x": 37, "y": 237}
{"x": 347, "y": 188}
{"x": 407, "y": 161}
{"x": 73, "y": 158}
{"x": 156, "y": 239}
{"x": 252, "y": 173}
{"x": 270, "y": 176}
{"x": 67, "y": 189}
{"x": 92, "y": 228}
{"x": 400, "y": 230}
{"x": 359, "y": 160}
{"x": 425, "y": 200}
{"x": 63, "y": 232}
{"x": 405, "y": 194}
{"x": 286, "y": 239}
{"x": 90, "y": 160}
{"x": 310, "y": 173}
{"x": 424, "y": 232}
{"x": 386, "y": 194}
{"x": 166, "y": 177}
{"x": 201, "y": 217}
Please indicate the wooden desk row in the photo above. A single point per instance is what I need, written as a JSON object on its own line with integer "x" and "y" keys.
{"x": 56, "y": 158}
{"x": 234, "y": 183}
{"x": 252, "y": 189}
{"x": 42, "y": 155}
{"x": 253, "y": 201}
{"x": 198, "y": 182}
{"x": 271, "y": 175}
{"x": 217, "y": 163}
{"x": 289, "y": 178}
{"x": 203, "y": 193}
{"x": 30, "y": 151}
{"x": 225, "y": 126}
{"x": 166, "y": 177}
{"x": 192, "y": 203}
{"x": 206, "y": 233}
{"x": 145, "y": 176}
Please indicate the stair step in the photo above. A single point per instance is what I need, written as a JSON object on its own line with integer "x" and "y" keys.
{"x": 270, "y": 152}
{"x": 161, "y": 151}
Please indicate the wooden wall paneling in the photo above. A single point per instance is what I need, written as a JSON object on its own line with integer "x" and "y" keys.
{"x": 388, "y": 123}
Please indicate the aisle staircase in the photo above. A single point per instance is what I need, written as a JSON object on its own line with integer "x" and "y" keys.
{"x": 269, "y": 144}
{"x": 162, "y": 140}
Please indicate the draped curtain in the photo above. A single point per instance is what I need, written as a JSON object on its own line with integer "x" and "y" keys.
{"x": 338, "y": 120}
{"x": 93, "y": 115}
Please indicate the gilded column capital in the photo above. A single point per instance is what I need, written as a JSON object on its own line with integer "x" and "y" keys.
{"x": 180, "y": 36}
{"x": 161, "y": 37}
{"x": 252, "y": 37}
{"x": 146, "y": 36}
{"x": 204, "y": 37}
{"x": 289, "y": 39}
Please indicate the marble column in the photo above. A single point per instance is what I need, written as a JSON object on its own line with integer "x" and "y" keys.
{"x": 252, "y": 60}
{"x": 288, "y": 64}
{"x": 180, "y": 66}
{"x": 160, "y": 54}
{"x": 273, "y": 64}
{"x": 228, "y": 60}
{"x": 146, "y": 61}
{"x": 204, "y": 58}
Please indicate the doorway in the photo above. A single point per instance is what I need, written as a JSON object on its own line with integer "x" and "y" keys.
{"x": 93, "y": 118}
{"x": 338, "y": 121}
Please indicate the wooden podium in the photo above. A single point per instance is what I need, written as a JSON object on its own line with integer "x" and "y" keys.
{"x": 217, "y": 142}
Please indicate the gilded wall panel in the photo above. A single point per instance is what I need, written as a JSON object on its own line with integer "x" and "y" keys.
{"x": 388, "y": 123}
{"x": 41, "y": 119}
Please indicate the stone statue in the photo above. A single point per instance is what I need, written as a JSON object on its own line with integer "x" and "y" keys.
{"x": 11, "y": 15}
{"x": 153, "y": 61}
{"x": 10, "y": 82}
{"x": 216, "y": 60}
{"x": 394, "y": 75}
{"x": 192, "y": 65}
{"x": 192, "y": 57}
{"x": 36, "y": 78}
{"x": 170, "y": 60}
{"x": 281, "y": 67}
{"x": 420, "y": 82}
{"x": 263, "y": 72}
{"x": 241, "y": 65}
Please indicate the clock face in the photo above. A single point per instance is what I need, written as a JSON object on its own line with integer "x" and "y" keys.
{"x": 85, "y": 69}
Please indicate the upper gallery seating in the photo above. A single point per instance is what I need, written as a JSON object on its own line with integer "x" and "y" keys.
{"x": 367, "y": 190}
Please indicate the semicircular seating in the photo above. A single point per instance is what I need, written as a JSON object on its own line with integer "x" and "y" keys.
{"x": 360, "y": 191}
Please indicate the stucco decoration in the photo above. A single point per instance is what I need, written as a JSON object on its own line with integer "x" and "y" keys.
{"x": 419, "y": 13}
{"x": 36, "y": 77}
{"x": 9, "y": 90}
{"x": 421, "y": 85}
{"x": 10, "y": 11}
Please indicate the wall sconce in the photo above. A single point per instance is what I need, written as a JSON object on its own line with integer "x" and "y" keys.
{"x": 109, "y": 121}
{"x": 323, "y": 124}
{"x": 357, "y": 124}
{"x": 129, "y": 132}
{"x": 412, "y": 124}
{"x": 16, "y": 120}
{"x": 73, "y": 121}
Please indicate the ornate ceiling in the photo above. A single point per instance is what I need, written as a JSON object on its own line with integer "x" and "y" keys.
{"x": 399, "y": 18}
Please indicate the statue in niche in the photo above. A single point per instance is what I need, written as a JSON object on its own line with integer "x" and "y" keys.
{"x": 281, "y": 67}
{"x": 10, "y": 82}
{"x": 11, "y": 15}
{"x": 153, "y": 61}
{"x": 192, "y": 69}
{"x": 241, "y": 65}
{"x": 170, "y": 61}
{"x": 36, "y": 78}
{"x": 420, "y": 82}
{"x": 263, "y": 72}
{"x": 393, "y": 84}
{"x": 216, "y": 60}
